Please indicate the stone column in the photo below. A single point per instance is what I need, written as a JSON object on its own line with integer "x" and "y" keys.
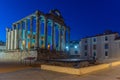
{"x": 64, "y": 38}
{"x": 31, "y": 31}
{"x": 17, "y": 36}
{"x": 37, "y": 28}
{"x": 52, "y": 34}
{"x": 11, "y": 39}
{"x": 60, "y": 38}
{"x": 13, "y": 36}
{"x": 45, "y": 33}
{"x": 26, "y": 33}
{"x": 68, "y": 35}
{"x": 54, "y": 37}
{"x": 21, "y": 34}
{"x": 7, "y": 38}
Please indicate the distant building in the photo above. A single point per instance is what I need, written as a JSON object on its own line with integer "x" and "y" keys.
{"x": 2, "y": 46}
{"x": 74, "y": 48}
{"x": 101, "y": 46}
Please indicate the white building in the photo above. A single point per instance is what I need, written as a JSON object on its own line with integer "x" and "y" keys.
{"x": 74, "y": 48}
{"x": 101, "y": 46}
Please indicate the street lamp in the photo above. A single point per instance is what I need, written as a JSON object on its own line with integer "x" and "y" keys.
{"x": 75, "y": 47}
{"x": 67, "y": 48}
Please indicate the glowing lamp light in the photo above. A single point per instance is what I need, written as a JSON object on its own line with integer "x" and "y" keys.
{"x": 66, "y": 47}
{"x": 23, "y": 42}
{"x": 75, "y": 47}
{"x": 48, "y": 46}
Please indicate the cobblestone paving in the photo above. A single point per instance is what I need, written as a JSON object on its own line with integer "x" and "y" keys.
{"x": 37, "y": 74}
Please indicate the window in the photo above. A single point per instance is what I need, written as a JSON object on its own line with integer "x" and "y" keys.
{"x": 85, "y": 53}
{"x": 106, "y": 38}
{"x": 106, "y": 46}
{"x": 106, "y": 53}
{"x": 94, "y": 54}
{"x": 76, "y": 52}
{"x": 85, "y": 47}
{"x": 94, "y": 47}
{"x": 94, "y": 39}
{"x": 71, "y": 46}
{"x": 85, "y": 41}
{"x": 119, "y": 45}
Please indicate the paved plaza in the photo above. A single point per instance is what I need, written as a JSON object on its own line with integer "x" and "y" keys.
{"x": 31, "y": 73}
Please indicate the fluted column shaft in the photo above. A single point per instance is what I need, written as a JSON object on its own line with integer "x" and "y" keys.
{"x": 17, "y": 37}
{"x": 68, "y": 36}
{"x": 13, "y": 38}
{"x": 53, "y": 36}
{"x": 64, "y": 38}
{"x": 60, "y": 39}
{"x": 31, "y": 31}
{"x": 37, "y": 28}
{"x": 45, "y": 32}
{"x": 21, "y": 34}
{"x": 26, "y": 33}
{"x": 7, "y": 38}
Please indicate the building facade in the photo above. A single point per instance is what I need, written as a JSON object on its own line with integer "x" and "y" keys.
{"x": 74, "y": 48}
{"x": 101, "y": 46}
{"x": 27, "y": 32}
{"x": 2, "y": 46}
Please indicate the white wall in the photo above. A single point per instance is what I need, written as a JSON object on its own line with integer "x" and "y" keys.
{"x": 113, "y": 49}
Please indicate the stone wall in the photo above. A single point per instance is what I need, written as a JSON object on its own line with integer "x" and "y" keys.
{"x": 15, "y": 56}
{"x": 80, "y": 71}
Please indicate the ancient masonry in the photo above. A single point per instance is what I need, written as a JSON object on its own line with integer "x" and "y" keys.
{"x": 19, "y": 37}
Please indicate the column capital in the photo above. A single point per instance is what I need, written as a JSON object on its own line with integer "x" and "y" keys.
{"x": 10, "y": 29}
{"x": 7, "y": 29}
{"x": 21, "y": 21}
{"x": 46, "y": 20}
{"x": 17, "y": 23}
{"x": 31, "y": 17}
{"x": 13, "y": 26}
{"x": 59, "y": 27}
{"x": 37, "y": 13}
{"x": 64, "y": 27}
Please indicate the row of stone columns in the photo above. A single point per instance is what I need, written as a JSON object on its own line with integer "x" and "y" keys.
{"x": 11, "y": 43}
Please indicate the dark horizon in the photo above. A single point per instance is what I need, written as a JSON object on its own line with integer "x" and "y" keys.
{"x": 85, "y": 18}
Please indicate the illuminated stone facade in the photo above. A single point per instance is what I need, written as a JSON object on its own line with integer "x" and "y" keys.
{"x": 27, "y": 32}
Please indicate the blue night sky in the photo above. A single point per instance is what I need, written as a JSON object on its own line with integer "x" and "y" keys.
{"x": 85, "y": 17}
